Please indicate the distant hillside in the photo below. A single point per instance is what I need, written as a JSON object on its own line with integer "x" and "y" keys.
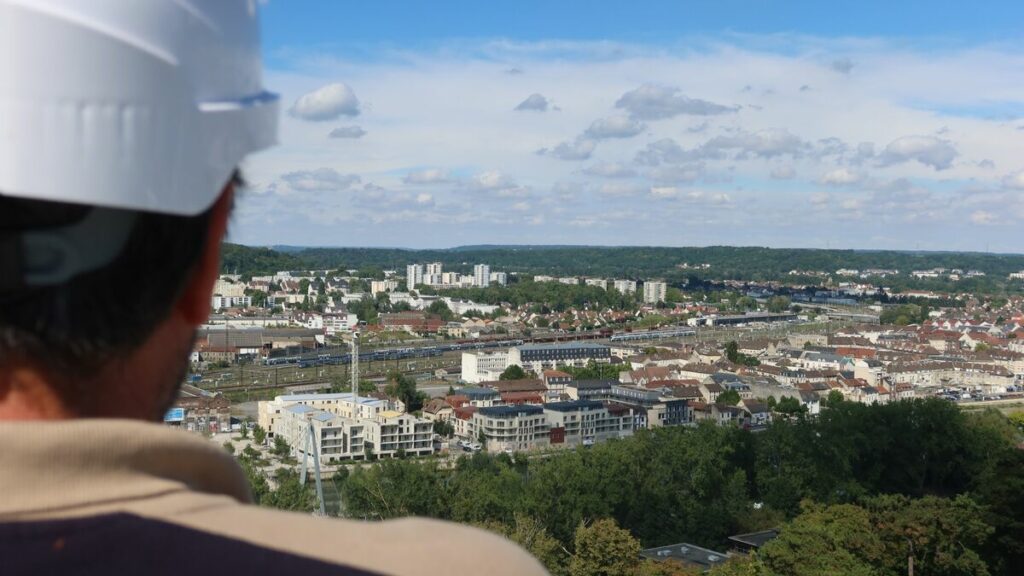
{"x": 726, "y": 262}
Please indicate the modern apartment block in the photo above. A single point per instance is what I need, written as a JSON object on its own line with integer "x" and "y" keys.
{"x": 540, "y": 357}
{"x": 345, "y": 429}
{"x": 481, "y": 366}
{"x": 481, "y": 275}
{"x": 625, "y": 286}
{"x": 509, "y": 428}
{"x": 413, "y": 276}
{"x": 654, "y": 292}
{"x": 585, "y": 422}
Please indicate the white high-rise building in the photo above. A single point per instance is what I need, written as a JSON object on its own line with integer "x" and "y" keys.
{"x": 625, "y": 286}
{"x": 434, "y": 268}
{"x": 654, "y": 292}
{"x": 482, "y": 275}
{"x": 499, "y": 278}
{"x": 433, "y": 275}
{"x": 413, "y": 276}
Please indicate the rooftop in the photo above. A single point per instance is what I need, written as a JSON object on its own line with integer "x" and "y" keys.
{"x": 573, "y": 405}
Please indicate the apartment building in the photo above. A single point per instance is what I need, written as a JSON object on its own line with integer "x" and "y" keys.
{"x": 509, "y": 428}
{"x": 413, "y": 276}
{"x": 596, "y": 282}
{"x": 481, "y": 366}
{"x": 654, "y": 292}
{"x": 625, "y": 286}
{"x": 378, "y": 286}
{"x": 499, "y": 278}
{"x": 345, "y": 428}
{"x": 585, "y": 422}
{"x": 481, "y": 275}
{"x": 540, "y": 357}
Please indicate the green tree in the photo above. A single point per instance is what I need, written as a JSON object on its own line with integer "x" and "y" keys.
{"x": 834, "y": 397}
{"x": 404, "y": 388}
{"x": 604, "y": 549}
{"x": 440, "y": 308}
{"x": 837, "y": 539}
{"x": 290, "y": 494}
{"x": 729, "y": 397}
{"x": 732, "y": 351}
{"x": 777, "y": 304}
{"x": 443, "y": 428}
{"x": 513, "y": 372}
{"x": 281, "y": 448}
{"x": 259, "y": 435}
{"x": 534, "y": 538}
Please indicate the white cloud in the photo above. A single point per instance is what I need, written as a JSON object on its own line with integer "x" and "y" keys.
{"x": 766, "y": 143}
{"x": 691, "y": 196}
{"x": 614, "y": 127}
{"x": 319, "y": 180}
{"x": 843, "y": 65}
{"x": 622, "y": 189}
{"x": 579, "y": 149}
{"x": 783, "y": 172}
{"x": 983, "y": 218}
{"x": 1014, "y": 181}
{"x": 841, "y": 177}
{"x": 327, "y": 103}
{"x": 655, "y": 102}
{"x": 678, "y": 173}
{"x": 347, "y": 132}
{"x": 534, "y": 102}
{"x": 424, "y": 199}
{"x": 928, "y": 150}
{"x": 497, "y": 183}
{"x": 427, "y": 176}
{"x": 609, "y": 170}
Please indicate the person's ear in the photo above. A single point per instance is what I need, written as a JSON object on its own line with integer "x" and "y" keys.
{"x": 194, "y": 304}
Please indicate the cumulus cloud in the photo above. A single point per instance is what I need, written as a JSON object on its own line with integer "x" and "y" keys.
{"x": 763, "y": 143}
{"x": 326, "y": 103}
{"x": 842, "y": 65}
{"x": 665, "y": 150}
{"x": 497, "y": 183}
{"x": 928, "y": 150}
{"x": 841, "y": 177}
{"x": 319, "y": 180}
{"x": 610, "y": 170}
{"x": 692, "y": 196}
{"x": 677, "y": 173}
{"x": 579, "y": 149}
{"x": 347, "y": 132}
{"x": 655, "y": 102}
{"x": 983, "y": 218}
{"x": 534, "y": 102}
{"x": 783, "y": 172}
{"x": 427, "y": 176}
{"x": 1014, "y": 181}
{"x": 614, "y": 127}
{"x": 621, "y": 189}
{"x": 424, "y": 199}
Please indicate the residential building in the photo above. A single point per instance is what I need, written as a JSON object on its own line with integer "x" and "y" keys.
{"x": 378, "y": 286}
{"x": 654, "y": 292}
{"x": 570, "y": 280}
{"x": 480, "y": 366}
{"x": 585, "y": 422}
{"x": 499, "y": 278}
{"x": 413, "y": 276}
{"x": 509, "y": 428}
{"x": 481, "y": 275}
{"x": 340, "y": 322}
{"x": 598, "y": 282}
{"x": 345, "y": 428}
{"x": 220, "y": 302}
{"x": 625, "y": 286}
{"x": 540, "y": 357}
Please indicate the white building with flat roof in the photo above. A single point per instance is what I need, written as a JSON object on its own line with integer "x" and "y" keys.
{"x": 625, "y": 286}
{"x": 483, "y": 365}
{"x": 413, "y": 276}
{"x": 481, "y": 275}
{"x": 654, "y": 292}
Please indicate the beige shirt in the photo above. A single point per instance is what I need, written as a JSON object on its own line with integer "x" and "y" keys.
{"x": 79, "y": 468}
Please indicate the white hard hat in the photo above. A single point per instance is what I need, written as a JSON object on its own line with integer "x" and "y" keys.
{"x": 145, "y": 105}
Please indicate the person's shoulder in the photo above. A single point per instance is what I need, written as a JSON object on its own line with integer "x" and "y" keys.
{"x": 403, "y": 546}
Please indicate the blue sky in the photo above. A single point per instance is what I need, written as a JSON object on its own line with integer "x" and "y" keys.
{"x": 853, "y": 124}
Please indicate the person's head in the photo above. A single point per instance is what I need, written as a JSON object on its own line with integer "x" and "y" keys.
{"x": 117, "y": 173}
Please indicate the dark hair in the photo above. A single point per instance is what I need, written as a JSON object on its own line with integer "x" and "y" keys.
{"x": 80, "y": 326}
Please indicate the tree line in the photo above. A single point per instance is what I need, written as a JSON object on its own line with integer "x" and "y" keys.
{"x": 857, "y": 490}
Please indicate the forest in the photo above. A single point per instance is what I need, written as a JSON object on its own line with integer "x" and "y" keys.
{"x": 726, "y": 263}
{"x": 857, "y": 490}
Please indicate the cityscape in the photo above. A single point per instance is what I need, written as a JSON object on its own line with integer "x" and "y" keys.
{"x": 342, "y": 369}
